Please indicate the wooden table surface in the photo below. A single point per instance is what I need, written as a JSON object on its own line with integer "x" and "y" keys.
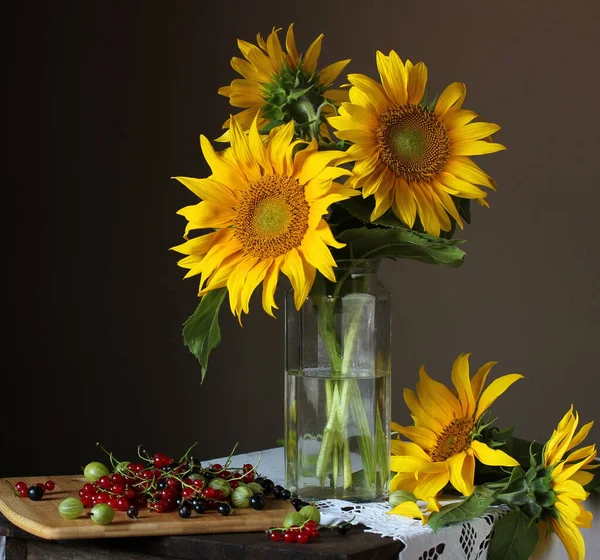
{"x": 356, "y": 545}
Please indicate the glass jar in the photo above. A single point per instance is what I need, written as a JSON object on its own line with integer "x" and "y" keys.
{"x": 337, "y": 387}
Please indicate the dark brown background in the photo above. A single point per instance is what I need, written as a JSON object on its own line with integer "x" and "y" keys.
{"x": 106, "y": 102}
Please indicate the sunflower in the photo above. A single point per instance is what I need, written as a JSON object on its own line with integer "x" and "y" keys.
{"x": 265, "y": 202}
{"x": 443, "y": 446}
{"x": 568, "y": 476}
{"x": 413, "y": 157}
{"x": 280, "y": 86}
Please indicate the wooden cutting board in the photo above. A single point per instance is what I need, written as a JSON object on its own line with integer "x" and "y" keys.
{"x": 43, "y": 520}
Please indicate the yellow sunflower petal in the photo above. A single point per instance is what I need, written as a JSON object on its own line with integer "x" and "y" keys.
{"x": 581, "y": 435}
{"x": 235, "y": 284}
{"x": 312, "y": 55}
{"x": 417, "y": 82}
{"x": 330, "y": 73}
{"x": 582, "y": 477}
{"x": 410, "y": 448}
{"x": 437, "y": 399}
{"x": 290, "y": 46}
{"x": 372, "y": 90}
{"x": 223, "y": 171}
{"x": 421, "y": 436}
{"x": 393, "y": 77}
{"x": 404, "y": 206}
{"x": 431, "y": 485}
{"x": 451, "y": 97}
{"x": 479, "y": 379}
{"x": 269, "y": 286}
{"x": 253, "y": 279}
{"x": 492, "y": 457}
{"x": 275, "y": 51}
{"x": 406, "y": 464}
{"x": 572, "y": 488}
{"x": 475, "y": 148}
{"x": 403, "y": 481}
{"x": 207, "y": 214}
{"x": 462, "y": 382}
{"x": 242, "y": 153}
{"x": 318, "y": 254}
{"x": 293, "y": 268}
{"x": 494, "y": 390}
{"x": 424, "y": 419}
{"x": 206, "y": 189}
{"x": 278, "y": 145}
{"x": 455, "y": 468}
{"x": 571, "y": 538}
{"x": 407, "y": 509}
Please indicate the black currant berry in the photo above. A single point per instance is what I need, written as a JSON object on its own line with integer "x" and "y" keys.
{"x": 185, "y": 510}
{"x": 200, "y": 507}
{"x": 267, "y": 485}
{"x": 286, "y": 495}
{"x": 162, "y": 484}
{"x": 35, "y": 493}
{"x": 298, "y": 503}
{"x": 257, "y": 501}
{"x": 132, "y": 512}
{"x": 224, "y": 509}
{"x": 343, "y": 528}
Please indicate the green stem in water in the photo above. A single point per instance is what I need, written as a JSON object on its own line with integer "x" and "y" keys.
{"x": 339, "y": 403}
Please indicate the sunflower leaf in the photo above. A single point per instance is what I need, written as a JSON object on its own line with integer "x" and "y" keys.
{"x": 515, "y": 537}
{"x": 469, "y": 508}
{"x": 201, "y": 332}
{"x": 397, "y": 243}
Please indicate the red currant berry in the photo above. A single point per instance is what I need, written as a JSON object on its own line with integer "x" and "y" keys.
{"x": 208, "y": 493}
{"x": 302, "y": 538}
{"x": 86, "y": 501}
{"x": 24, "y": 492}
{"x": 187, "y": 492}
{"x": 219, "y": 496}
{"x": 173, "y": 483}
{"x": 123, "y": 504}
{"x": 89, "y": 488}
{"x": 161, "y": 507}
{"x": 159, "y": 460}
{"x": 102, "y": 498}
{"x": 113, "y": 503}
{"x": 216, "y": 467}
{"x": 289, "y": 536}
{"x": 275, "y": 536}
{"x": 117, "y": 479}
{"x": 19, "y": 485}
{"x": 314, "y": 533}
{"x": 117, "y": 489}
{"x": 104, "y": 482}
{"x": 50, "y": 485}
{"x": 234, "y": 484}
{"x": 248, "y": 477}
{"x": 310, "y": 525}
{"x": 167, "y": 493}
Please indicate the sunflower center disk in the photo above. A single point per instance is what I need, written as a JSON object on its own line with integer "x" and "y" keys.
{"x": 412, "y": 142}
{"x": 272, "y": 216}
{"x": 455, "y": 438}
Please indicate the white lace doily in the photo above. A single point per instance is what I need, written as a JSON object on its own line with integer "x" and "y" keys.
{"x": 463, "y": 541}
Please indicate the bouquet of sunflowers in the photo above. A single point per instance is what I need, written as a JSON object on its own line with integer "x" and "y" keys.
{"x": 312, "y": 173}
